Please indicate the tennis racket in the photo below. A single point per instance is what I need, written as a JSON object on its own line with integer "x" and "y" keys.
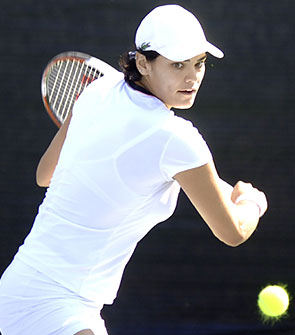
{"x": 65, "y": 77}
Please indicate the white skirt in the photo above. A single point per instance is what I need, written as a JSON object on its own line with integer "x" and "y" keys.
{"x": 33, "y": 304}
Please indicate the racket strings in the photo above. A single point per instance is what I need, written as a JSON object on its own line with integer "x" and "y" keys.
{"x": 65, "y": 83}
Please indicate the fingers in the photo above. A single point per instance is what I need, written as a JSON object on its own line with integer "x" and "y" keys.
{"x": 246, "y": 192}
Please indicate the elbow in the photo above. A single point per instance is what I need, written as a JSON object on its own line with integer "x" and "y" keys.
{"x": 41, "y": 182}
{"x": 234, "y": 240}
{"x": 43, "y": 173}
{"x": 237, "y": 233}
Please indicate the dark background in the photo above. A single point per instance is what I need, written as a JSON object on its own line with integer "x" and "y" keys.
{"x": 181, "y": 280}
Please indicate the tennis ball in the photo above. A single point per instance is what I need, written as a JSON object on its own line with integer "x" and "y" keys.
{"x": 273, "y": 301}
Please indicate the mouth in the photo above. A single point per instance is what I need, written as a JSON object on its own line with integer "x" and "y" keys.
{"x": 188, "y": 91}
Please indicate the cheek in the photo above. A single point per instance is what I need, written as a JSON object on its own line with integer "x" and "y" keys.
{"x": 169, "y": 83}
{"x": 163, "y": 85}
{"x": 167, "y": 92}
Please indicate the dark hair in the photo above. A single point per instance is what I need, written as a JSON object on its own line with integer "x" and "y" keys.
{"x": 128, "y": 64}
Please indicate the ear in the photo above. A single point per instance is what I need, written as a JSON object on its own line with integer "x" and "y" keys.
{"x": 142, "y": 64}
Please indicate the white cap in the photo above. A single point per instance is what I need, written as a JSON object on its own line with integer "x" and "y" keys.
{"x": 174, "y": 33}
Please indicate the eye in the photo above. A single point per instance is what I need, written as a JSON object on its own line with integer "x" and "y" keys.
{"x": 200, "y": 63}
{"x": 178, "y": 65}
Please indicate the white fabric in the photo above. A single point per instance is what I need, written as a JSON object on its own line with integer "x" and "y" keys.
{"x": 32, "y": 304}
{"x": 113, "y": 183}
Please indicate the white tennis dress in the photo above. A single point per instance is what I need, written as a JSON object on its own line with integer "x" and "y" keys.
{"x": 113, "y": 183}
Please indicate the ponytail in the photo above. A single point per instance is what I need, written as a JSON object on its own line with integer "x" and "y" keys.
{"x": 128, "y": 64}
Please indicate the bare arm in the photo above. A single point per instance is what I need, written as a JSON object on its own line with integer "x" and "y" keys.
{"x": 231, "y": 223}
{"x": 50, "y": 158}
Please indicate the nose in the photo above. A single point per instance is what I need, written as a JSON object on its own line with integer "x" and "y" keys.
{"x": 195, "y": 74}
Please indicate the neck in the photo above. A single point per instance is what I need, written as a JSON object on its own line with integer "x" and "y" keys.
{"x": 136, "y": 85}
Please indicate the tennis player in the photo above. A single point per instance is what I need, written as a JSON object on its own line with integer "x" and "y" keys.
{"x": 114, "y": 171}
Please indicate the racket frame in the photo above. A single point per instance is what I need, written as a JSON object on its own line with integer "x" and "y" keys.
{"x": 92, "y": 63}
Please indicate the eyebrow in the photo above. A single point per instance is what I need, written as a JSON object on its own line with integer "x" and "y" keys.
{"x": 200, "y": 59}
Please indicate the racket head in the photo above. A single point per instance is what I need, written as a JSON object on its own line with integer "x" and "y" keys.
{"x": 64, "y": 79}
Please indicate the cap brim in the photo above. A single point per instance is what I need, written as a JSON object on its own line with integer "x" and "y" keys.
{"x": 214, "y": 51}
{"x": 183, "y": 52}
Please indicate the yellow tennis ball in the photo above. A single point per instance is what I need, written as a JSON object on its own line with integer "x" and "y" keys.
{"x": 273, "y": 301}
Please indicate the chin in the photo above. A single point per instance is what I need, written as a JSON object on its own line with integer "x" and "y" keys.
{"x": 184, "y": 105}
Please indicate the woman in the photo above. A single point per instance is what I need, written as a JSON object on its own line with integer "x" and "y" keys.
{"x": 114, "y": 170}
